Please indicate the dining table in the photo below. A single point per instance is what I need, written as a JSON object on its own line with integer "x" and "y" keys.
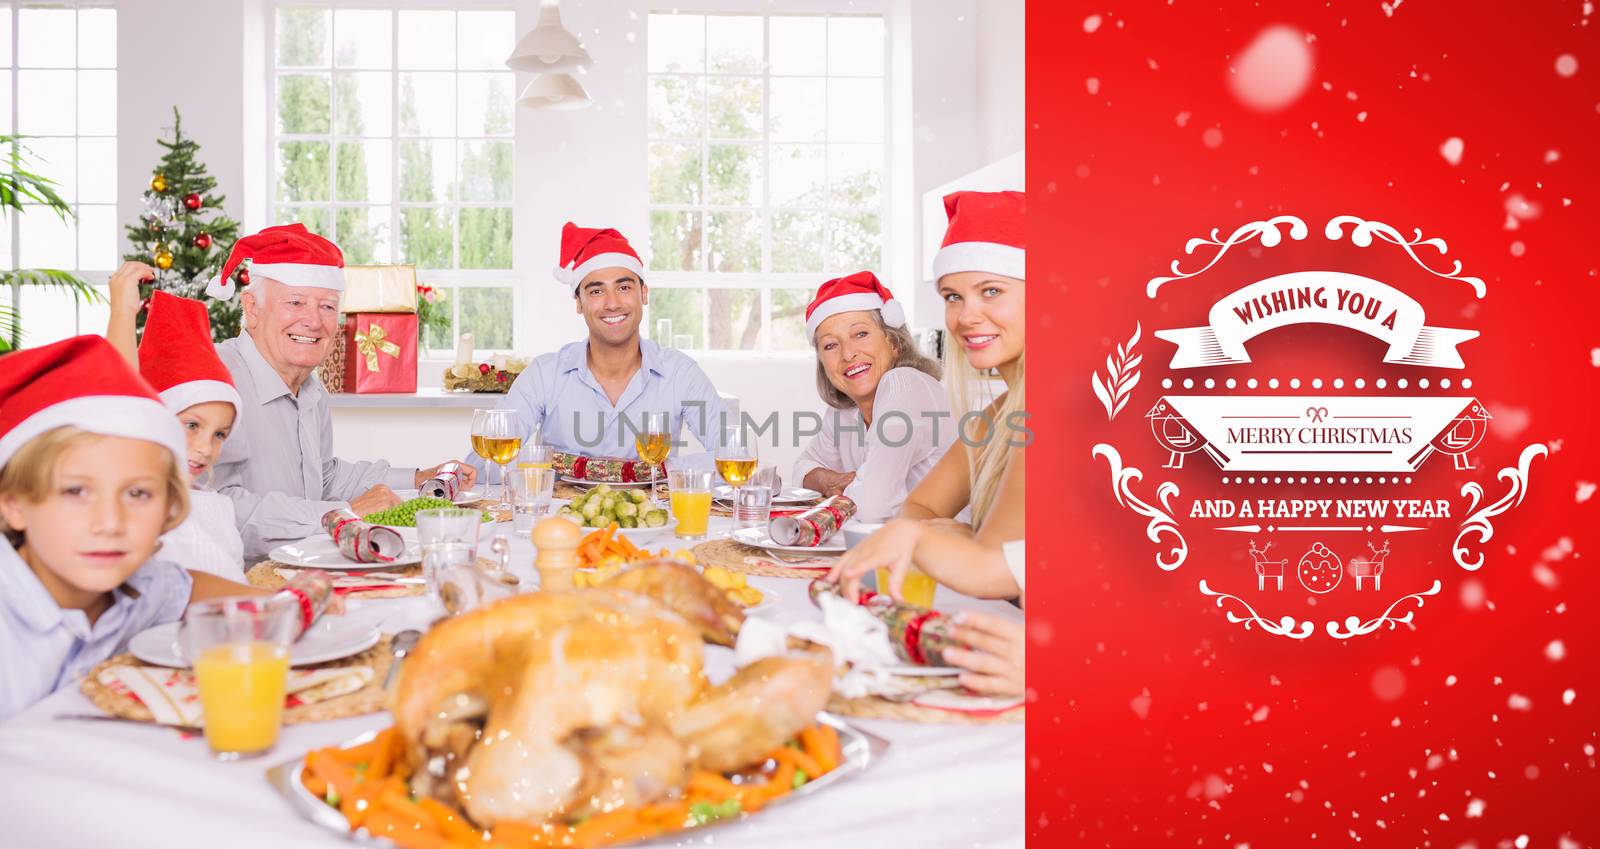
{"x": 72, "y": 783}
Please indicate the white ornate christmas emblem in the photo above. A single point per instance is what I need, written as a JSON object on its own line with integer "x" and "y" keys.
{"x": 1316, "y": 440}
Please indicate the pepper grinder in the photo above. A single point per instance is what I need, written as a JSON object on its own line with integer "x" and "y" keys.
{"x": 556, "y": 542}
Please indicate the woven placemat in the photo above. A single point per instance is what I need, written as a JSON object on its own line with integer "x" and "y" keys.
{"x": 368, "y": 699}
{"x": 872, "y": 707}
{"x": 265, "y": 575}
{"x": 738, "y": 557}
{"x": 490, "y": 506}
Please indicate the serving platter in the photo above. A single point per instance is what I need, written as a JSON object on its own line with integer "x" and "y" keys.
{"x": 859, "y": 750}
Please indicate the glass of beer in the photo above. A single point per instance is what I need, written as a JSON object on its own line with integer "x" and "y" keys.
{"x": 691, "y": 501}
{"x": 736, "y": 459}
{"x": 496, "y": 439}
{"x": 654, "y": 443}
{"x": 240, "y": 651}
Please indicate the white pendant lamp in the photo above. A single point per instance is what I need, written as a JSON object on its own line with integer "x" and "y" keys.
{"x": 548, "y": 47}
{"x": 554, "y": 91}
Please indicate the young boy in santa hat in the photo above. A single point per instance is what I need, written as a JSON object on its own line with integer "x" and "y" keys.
{"x": 90, "y": 477}
{"x": 179, "y": 361}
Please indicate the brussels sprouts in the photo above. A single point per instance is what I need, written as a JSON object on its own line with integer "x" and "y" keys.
{"x": 655, "y": 518}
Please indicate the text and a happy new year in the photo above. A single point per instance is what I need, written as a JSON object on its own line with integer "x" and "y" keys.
{"x": 1320, "y": 508}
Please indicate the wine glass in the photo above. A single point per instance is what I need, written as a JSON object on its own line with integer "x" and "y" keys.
{"x": 654, "y": 443}
{"x": 736, "y": 461}
{"x": 496, "y": 440}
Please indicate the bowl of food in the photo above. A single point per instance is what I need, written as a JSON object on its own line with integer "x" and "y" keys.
{"x": 856, "y": 532}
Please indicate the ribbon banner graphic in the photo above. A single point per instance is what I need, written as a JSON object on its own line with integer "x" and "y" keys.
{"x": 1324, "y": 297}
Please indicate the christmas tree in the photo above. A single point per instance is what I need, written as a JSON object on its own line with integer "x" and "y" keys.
{"x": 183, "y": 232}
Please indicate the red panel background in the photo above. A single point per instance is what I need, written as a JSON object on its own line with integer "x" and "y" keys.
{"x": 1106, "y": 626}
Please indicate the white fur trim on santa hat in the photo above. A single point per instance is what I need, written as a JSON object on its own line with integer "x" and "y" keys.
{"x": 993, "y": 257}
{"x": 570, "y": 278}
{"x": 894, "y": 315}
{"x": 108, "y": 415}
{"x": 182, "y": 396}
{"x": 220, "y": 288}
{"x": 300, "y": 274}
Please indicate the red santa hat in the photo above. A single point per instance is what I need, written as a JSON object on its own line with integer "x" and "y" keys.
{"x": 178, "y": 359}
{"x": 289, "y": 254}
{"x": 985, "y": 233}
{"x": 859, "y": 291}
{"x": 80, "y": 382}
{"x": 584, "y": 249}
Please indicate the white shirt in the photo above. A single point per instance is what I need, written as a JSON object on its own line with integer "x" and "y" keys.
{"x": 911, "y": 429}
{"x": 1017, "y": 561}
{"x": 278, "y": 465}
{"x": 208, "y": 540}
{"x": 44, "y": 648}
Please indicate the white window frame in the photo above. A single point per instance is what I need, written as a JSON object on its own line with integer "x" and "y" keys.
{"x": 87, "y": 318}
{"x": 766, "y": 282}
{"x": 451, "y": 278}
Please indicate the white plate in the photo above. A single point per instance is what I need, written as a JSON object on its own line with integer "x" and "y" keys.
{"x": 789, "y": 495}
{"x": 320, "y": 552}
{"x": 613, "y": 485}
{"x": 462, "y": 498}
{"x": 331, "y": 638}
{"x": 759, "y": 538}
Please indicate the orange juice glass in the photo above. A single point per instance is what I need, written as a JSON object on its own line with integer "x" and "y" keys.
{"x": 918, "y": 589}
{"x": 691, "y": 501}
{"x": 240, "y": 651}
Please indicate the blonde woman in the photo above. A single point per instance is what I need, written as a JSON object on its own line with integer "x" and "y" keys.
{"x": 890, "y": 419}
{"x": 979, "y": 270}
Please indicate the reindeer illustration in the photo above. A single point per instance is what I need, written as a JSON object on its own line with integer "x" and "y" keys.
{"x": 1267, "y": 568}
{"x": 1373, "y": 568}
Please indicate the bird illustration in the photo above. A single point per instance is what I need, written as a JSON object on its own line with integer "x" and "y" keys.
{"x": 1460, "y": 436}
{"x": 1175, "y": 434}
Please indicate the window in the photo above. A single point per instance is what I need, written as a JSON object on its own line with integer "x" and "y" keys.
{"x": 767, "y": 136}
{"x": 393, "y": 136}
{"x": 58, "y": 87}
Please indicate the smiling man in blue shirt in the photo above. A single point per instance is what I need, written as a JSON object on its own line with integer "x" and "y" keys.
{"x": 591, "y": 396}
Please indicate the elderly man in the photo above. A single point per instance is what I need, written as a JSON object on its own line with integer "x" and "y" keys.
{"x": 591, "y": 396}
{"x": 278, "y": 464}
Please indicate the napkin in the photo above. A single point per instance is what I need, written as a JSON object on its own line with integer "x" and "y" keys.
{"x": 971, "y": 704}
{"x": 174, "y": 699}
{"x": 822, "y": 564}
{"x": 358, "y": 582}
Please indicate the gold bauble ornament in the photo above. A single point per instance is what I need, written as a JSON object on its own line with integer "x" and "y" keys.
{"x": 163, "y": 260}
{"x": 159, "y": 183}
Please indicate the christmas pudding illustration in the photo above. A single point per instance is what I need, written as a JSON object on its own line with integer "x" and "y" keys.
{"x": 1319, "y": 569}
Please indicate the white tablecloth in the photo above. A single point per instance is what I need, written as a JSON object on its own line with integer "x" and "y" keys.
{"x": 73, "y": 784}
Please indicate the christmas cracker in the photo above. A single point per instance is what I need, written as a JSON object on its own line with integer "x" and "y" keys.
{"x": 604, "y": 469}
{"x": 917, "y": 635}
{"x": 815, "y": 526}
{"x": 360, "y": 541}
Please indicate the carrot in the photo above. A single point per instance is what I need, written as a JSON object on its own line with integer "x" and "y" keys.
{"x": 356, "y": 754}
{"x": 822, "y": 742}
{"x": 451, "y": 824}
{"x": 338, "y": 775}
{"x": 628, "y": 548}
{"x": 383, "y": 755}
{"x": 713, "y": 786}
{"x": 316, "y": 784}
{"x": 407, "y": 833}
{"x": 591, "y": 536}
{"x": 616, "y": 826}
{"x": 668, "y": 816}
{"x": 396, "y": 799}
{"x": 801, "y": 760}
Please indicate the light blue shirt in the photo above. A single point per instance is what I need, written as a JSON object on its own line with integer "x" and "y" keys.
{"x": 44, "y": 648}
{"x": 559, "y": 397}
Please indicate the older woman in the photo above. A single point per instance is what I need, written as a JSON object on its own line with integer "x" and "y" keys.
{"x": 890, "y": 421}
{"x": 979, "y": 271}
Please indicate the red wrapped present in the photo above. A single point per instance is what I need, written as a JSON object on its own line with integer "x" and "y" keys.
{"x": 380, "y": 352}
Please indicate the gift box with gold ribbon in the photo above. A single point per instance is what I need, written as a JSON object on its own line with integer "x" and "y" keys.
{"x": 380, "y": 352}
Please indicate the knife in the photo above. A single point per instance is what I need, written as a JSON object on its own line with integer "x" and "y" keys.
{"x": 96, "y": 717}
{"x": 401, "y": 646}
